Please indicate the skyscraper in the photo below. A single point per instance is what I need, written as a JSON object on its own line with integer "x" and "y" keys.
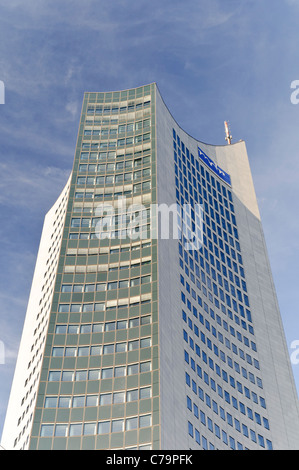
{"x": 152, "y": 322}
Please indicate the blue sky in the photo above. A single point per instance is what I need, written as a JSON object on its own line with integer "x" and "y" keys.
{"x": 213, "y": 60}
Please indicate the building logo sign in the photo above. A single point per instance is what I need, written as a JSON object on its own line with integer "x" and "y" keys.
{"x": 219, "y": 172}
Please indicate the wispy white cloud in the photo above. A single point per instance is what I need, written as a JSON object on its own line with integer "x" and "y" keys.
{"x": 38, "y": 183}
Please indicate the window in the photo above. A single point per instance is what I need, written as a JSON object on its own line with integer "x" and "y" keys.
{"x": 51, "y": 402}
{"x": 83, "y": 351}
{"x": 117, "y": 425}
{"x": 217, "y": 431}
{"x": 73, "y": 329}
{"x": 67, "y": 376}
{"x": 85, "y": 329}
{"x": 133, "y": 369}
{"x": 105, "y": 399}
{"x": 78, "y": 402}
{"x": 120, "y": 347}
{"x": 145, "y": 342}
{"x": 89, "y": 429}
{"x": 70, "y": 352}
{"x": 120, "y": 371}
{"x": 123, "y": 284}
{"x": 261, "y": 440}
{"x": 134, "y": 322}
{"x": 47, "y": 430}
{"x": 89, "y": 288}
{"x": 92, "y": 400}
{"x": 145, "y": 421}
{"x": 108, "y": 349}
{"x": 94, "y": 374}
{"x": 78, "y": 288}
{"x": 63, "y": 308}
{"x": 107, "y": 373}
{"x": 133, "y": 345}
{"x": 81, "y": 375}
{"x": 57, "y": 352}
{"x": 61, "y": 430}
{"x": 110, "y": 326}
{"x": 122, "y": 324}
{"x": 135, "y": 282}
{"x": 146, "y": 366}
{"x": 95, "y": 350}
{"x": 253, "y": 435}
{"x": 132, "y": 395}
{"x": 101, "y": 287}
{"x": 104, "y": 427}
{"x": 131, "y": 423}
{"x": 54, "y": 376}
{"x": 119, "y": 397}
{"x": 145, "y": 392}
{"x": 66, "y": 288}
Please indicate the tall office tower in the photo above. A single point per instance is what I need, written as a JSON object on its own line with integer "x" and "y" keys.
{"x": 153, "y": 321}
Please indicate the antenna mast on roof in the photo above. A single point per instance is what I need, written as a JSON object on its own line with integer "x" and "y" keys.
{"x": 228, "y": 137}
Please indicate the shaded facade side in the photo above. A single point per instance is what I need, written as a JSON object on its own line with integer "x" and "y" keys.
{"x": 227, "y": 381}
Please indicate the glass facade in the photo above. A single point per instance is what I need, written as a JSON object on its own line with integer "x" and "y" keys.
{"x": 99, "y": 385}
{"x": 222, "y": 370}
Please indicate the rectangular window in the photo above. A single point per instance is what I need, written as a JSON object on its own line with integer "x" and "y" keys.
{"x": 131, "y": 423}
{"x": 105, "y": 399}
{"x": 104, "y": 427}
{"x": 89, "y": 429}
{"x": 81, "y": 375}
{"x": 92, "y": 400}
{"x": 64, "y": 402}
{"x": 120, "y": 371}
{"x": 47, "y": 430}
{"x": 75, "y": 430}
{"x": 107, "y": 373}
{"x": 190, "y": 429}
{"x": 145, "y": 421}
{"x": 78, "y": 402}
{"x": 117, "y": 425}
{"x": 67, "y": 376}
{"x": 51, "y": 402}
{"x": 94, "y": 374}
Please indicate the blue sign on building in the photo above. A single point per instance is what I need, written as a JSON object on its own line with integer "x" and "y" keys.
{"x": 219, "y": 172}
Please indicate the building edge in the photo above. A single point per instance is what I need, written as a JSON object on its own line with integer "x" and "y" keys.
{"x": 19, "y": 414}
